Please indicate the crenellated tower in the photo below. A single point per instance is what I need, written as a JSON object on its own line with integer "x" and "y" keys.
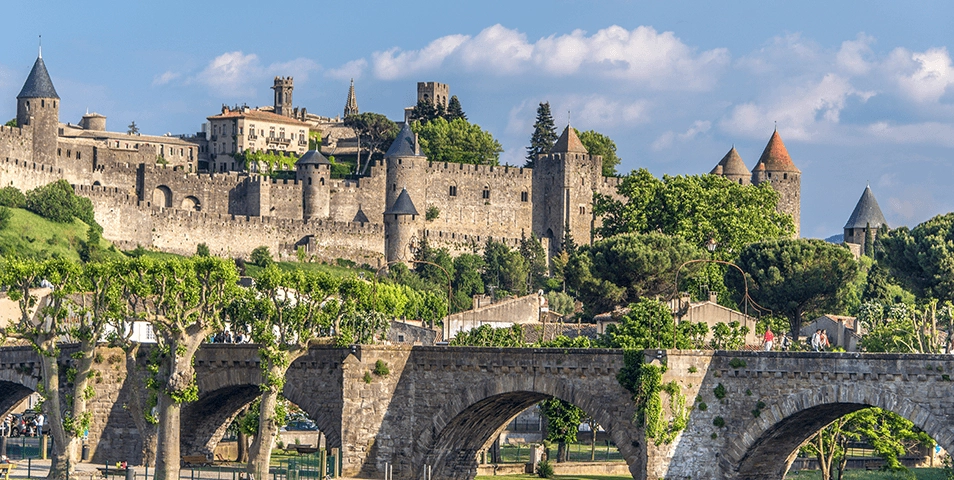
{"x": 283, "y": 87}
{"x": 776, "y": 167}
{"x": 563, "y": 184}
{"x": 38, "y": 106}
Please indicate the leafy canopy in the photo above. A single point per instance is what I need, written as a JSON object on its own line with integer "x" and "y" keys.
{"x": 922, "y": 258}
{"x": 598, "y": 144}
{"x": 457, "y": 141}
{"x": 696, "y": 208}
{"x": 795, "y": 277}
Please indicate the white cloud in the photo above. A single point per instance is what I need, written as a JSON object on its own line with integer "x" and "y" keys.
{"x": 853, "y": 56}
{"x": 394, "y": 63}
{"x": 667, "y": 139}
{"x": 643, "y": 56}
{"x": 598, "y": 111}
{"x": 802, "y": 112}
{"x": 923, "y": 76}
{"x": 236, "y": 74}
{"x": 352, "y": 69}
{"x": 165, "y": 78}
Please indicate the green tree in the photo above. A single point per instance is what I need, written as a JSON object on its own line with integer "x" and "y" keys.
{"x": 261, "y": 256}
{"x": 544, "y": 134}
{"x": 563, "y": 422}
{"x": 454, "y": 110}
{"x": 5, "y": 215}
{"x": 869, "y": 241}
{"x": 488, "y": 336}
{"x": 697, "y": 208}
{"x": 598, "y": 144}
{"x": 202, "y": 250}
{"x": 457, "y": 141}
{"x": 505, "y": 269}
{"x": 532, "y": 250}
{"x": 57, "y": 201}
{"x": 11, "y": 123}
{"x": 75, "y": 310}
{"x": 922, "y": 258}
{"x": 624, "y": 268}
{"x": 286, "y": 313}
{"x": 467, "y": 280}
{"x": 185, "y": 301}
{"x": 650, "y": 324}
{"x": 375, "y": 130}
{"x": 132, "y": 129}
{"x": 425, "y": 112}
{"x": 795, "y": 278}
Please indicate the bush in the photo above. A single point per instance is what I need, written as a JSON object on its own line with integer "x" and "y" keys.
{"x": 5, "y": 215}
{"x": 261, "y": 256}
{"x": 381, "y": 369}
{"x": 12, "y": 197}
{"x": 432, "y": 213}
{"x": 57, "y": 202}
{"x": 202, "y": 250}
{"x": 544, "y": 469}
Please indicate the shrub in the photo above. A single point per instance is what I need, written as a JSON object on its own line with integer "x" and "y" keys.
{"x": 432, "y": 213}
{"x": 719, "y": 391}
{"x": 718, "y": 421}
{"x": 202, "y": 250}
{"x": 381, "y": 369}
{"x": 57, "y": 202}
{"x": 544, "y": 469}
{"x": 5, "y": 215}
{"x": 261, "y": 256}
{"x": 12, "y": 197}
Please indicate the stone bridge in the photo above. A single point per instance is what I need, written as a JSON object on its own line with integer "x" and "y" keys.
{"x": 439, "y": 406}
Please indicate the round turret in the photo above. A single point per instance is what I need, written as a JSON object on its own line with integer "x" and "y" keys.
{"x": 313, "y": 171}
{"x": 733, "y": 168}
{"x": 93, "y": 121}
{"x": 776, "y": 167}
{"x": 38, "y": 106}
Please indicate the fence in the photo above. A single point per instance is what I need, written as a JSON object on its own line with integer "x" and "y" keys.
{"x": 576, "y": 452}
{"x": 303, "y": 467}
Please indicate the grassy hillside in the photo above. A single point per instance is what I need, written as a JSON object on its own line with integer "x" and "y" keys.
{"x": 32, "y": 236}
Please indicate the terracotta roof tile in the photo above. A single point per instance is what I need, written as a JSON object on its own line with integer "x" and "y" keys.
{"x": 775, "y": 157}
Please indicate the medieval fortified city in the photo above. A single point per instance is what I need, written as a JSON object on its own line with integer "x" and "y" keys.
{"x": 296, "y": 291}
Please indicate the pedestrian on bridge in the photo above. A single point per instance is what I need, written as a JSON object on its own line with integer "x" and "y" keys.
{"x": 769, "y": 339}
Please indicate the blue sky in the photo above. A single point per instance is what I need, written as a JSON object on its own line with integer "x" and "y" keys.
{"x": 863, "y": 92}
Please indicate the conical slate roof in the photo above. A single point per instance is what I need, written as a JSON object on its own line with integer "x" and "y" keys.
{"x": 312, "y": 157}
{"x": 403, "y": 145}
{"x": 403, "y": 205}
{"x": 731, "y": 164}
{"x": 775, "y": 157}
{"x": 38, "y": 84}
{"x": 866, "y": 213}
{"x": 360, "y": 217}
{"x": 568, "y": 143}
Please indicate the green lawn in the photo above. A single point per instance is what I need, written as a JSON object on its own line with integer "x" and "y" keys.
{"x": 919, "y": 474}
{"x": 30, "y": 235}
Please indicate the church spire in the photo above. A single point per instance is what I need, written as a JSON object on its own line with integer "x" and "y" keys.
{"x": 351, "y": 106}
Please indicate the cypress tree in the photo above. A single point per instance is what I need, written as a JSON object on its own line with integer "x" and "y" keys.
{"x": 454, "y": 110}
{"x": 544, "y": 134}
{"x": 869, "y": 241}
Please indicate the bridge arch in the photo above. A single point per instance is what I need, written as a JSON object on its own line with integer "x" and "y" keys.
{"x": 162, "y": 196}
{"x": 468, "y": 422}
{"x": 768, "y": 446}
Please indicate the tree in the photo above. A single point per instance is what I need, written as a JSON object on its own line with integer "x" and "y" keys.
{"x": 76, "y": 310}
{"x": 869, "y": 241}
{"x": 457, "y": 141}
{"x": 697, "y": 208}
{"x": 185, "y": 301}
{"x": 132, "y": 129}
{"x": 57, "y": 202}
{"x": 467, "y": 280}
{"x": 505, "y": 269}
{"x": 425, "y": 112}
{"x": 261, "y": 256}
{"x": 544, "y": 134}
{"x": 622, "y": 269}
{"x": 650, "y": 324}
{"x": 202, "y": 250}
{"x": 922, "y": 258}
{"x": 454, "y": 110}
{"x": 598, "y": 144}
{"x": 795, "y": 277}
{"x": 488, "y": 336}
{"x": 532, "y": 250}
{"x": 12, "y": 123}
{"x": 286, "y": 312}
{"x": 563, "y": 421}
{"x": 375, "y": 130}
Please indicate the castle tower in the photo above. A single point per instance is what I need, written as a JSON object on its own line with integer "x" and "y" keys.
{"x": 351, "y": 106}
{"x": 313, "y": 171}
{"x": 563, "y": 184}
{"x": 283, "y": 95}
{"x": 435, "y": 93}
{"x": 400, "y": 228}
{"x": 732, "y": 167}
{"x": 38, "y": 106}
{"x": 405, "y": 181}
{"x": 866, "y": 215}
{"x": 775, "y": 167}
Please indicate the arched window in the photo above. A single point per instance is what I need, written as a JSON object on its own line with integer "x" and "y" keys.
{"x": 452, "y": 191}
{"x": 486, "y": 193}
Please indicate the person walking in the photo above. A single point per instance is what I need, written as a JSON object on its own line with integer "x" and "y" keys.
{"x": 816, "y": 340}
{"x": 769, "y": 339}
{"x": 825, "y": 345}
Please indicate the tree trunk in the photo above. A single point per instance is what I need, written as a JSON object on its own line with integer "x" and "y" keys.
{"x": 167, "y": 453}
{"x": 260, "y": 453}
{"x": 242, "y": 447}
{"x": 561, "y": 451}
{"x": 593, "y": 442}
{"x": 61, "y": 461}
{"x": 138, "y": 399}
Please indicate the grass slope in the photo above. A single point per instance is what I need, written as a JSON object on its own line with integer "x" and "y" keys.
{"x": 32, "y": 236}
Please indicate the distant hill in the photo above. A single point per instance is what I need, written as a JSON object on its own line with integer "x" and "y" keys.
{"x": 840, "y": 238}
{"x": 32, "y": 236}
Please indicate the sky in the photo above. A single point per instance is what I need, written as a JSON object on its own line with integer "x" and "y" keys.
{"x": 862, "y": 93}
